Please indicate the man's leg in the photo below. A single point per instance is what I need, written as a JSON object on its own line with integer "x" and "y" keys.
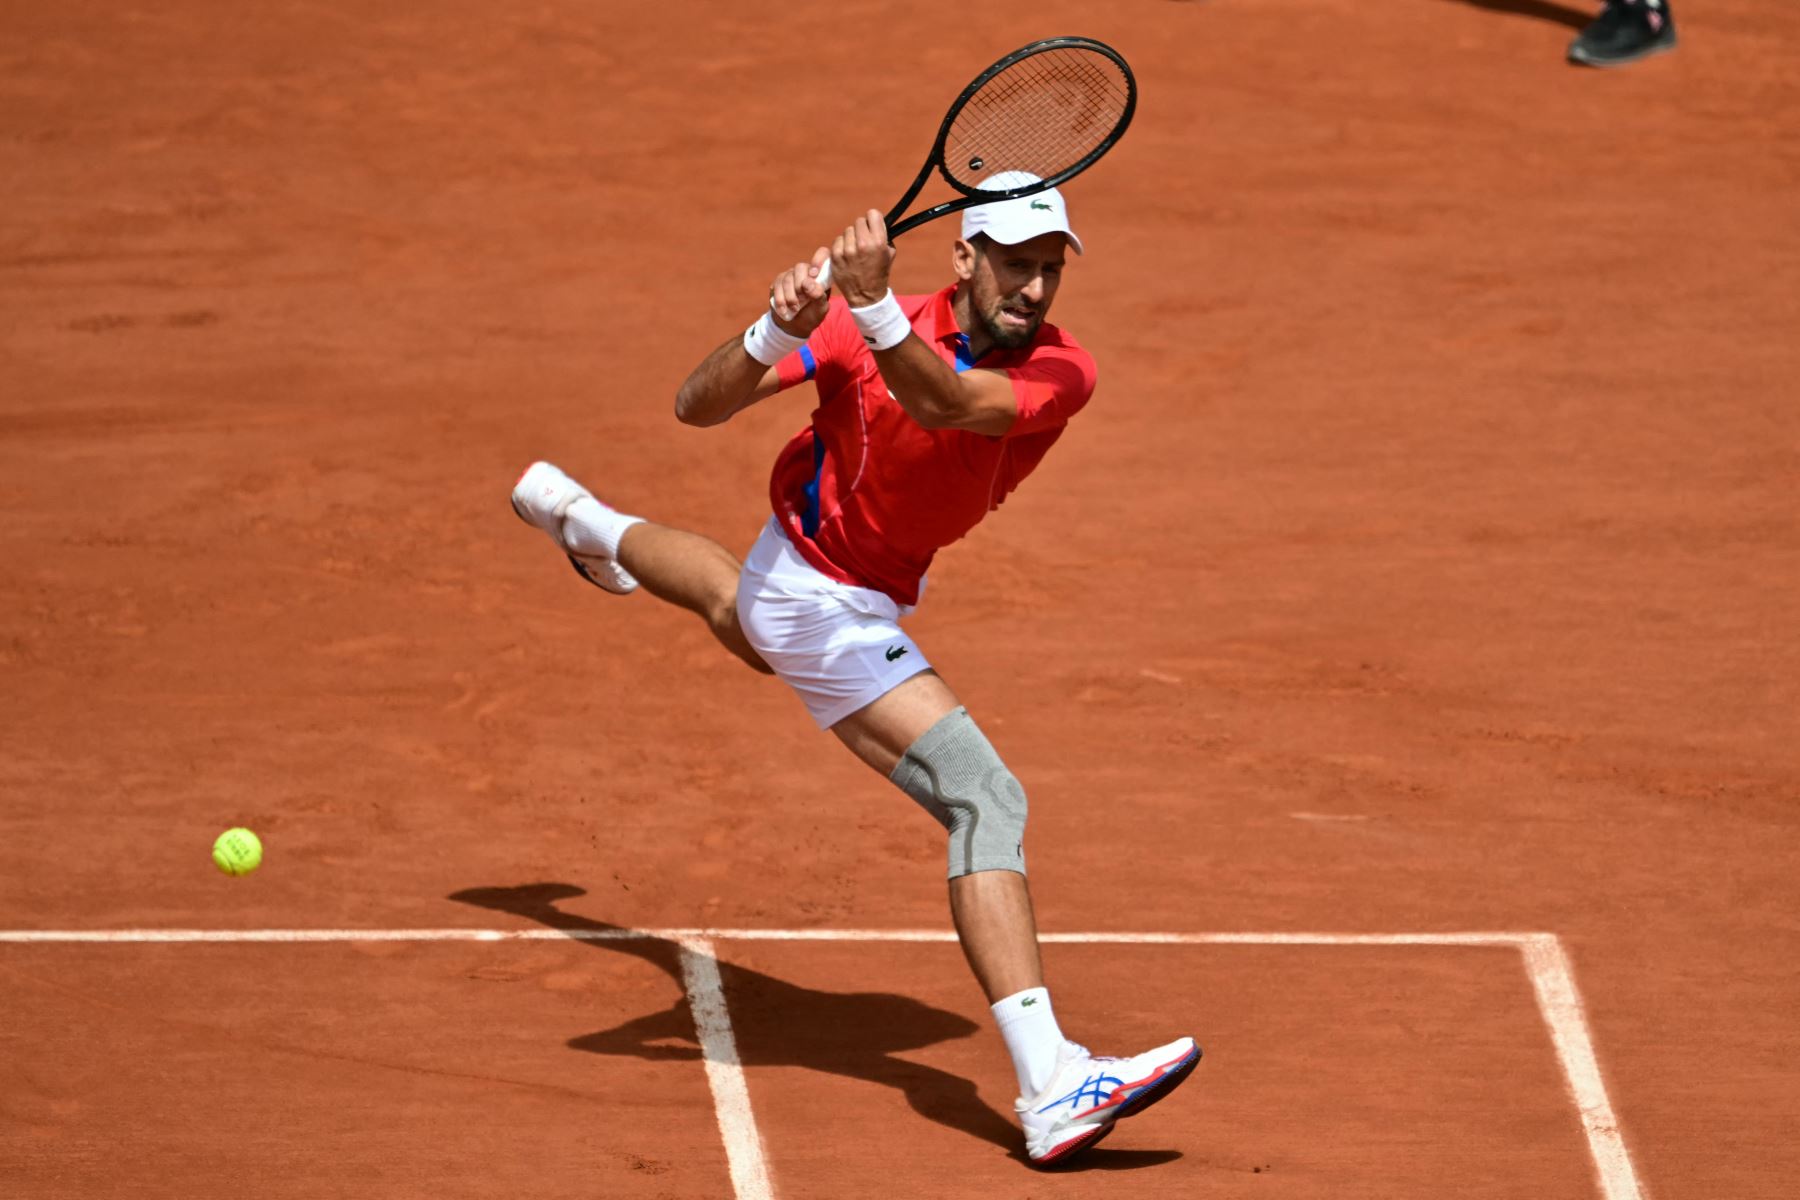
{"x": 1069, "y": 1100}
{"x": 693, "y": 572}
{"x": 671, "y": 564}
{"x": 992, "y": 909}
{"x": 998, "y": 931}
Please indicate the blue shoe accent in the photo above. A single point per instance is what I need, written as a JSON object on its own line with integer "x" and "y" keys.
{"x": 1095, "y": 1087}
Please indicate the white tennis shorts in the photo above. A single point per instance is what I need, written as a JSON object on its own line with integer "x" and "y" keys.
{"x": 838, "y": 646}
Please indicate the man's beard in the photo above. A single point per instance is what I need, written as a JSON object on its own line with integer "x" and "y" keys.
{"x": 1007, "y": 337}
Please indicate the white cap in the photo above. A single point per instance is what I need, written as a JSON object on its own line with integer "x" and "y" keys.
{"x": 1021, "y": 219}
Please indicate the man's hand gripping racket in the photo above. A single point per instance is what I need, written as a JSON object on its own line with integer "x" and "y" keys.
{"x": 1049, "y": 110}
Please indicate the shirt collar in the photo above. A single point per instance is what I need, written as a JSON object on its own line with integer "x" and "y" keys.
{"x": 940, "y": 317}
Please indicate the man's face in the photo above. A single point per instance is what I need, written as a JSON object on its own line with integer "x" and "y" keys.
{"x": 1011, "y": 287}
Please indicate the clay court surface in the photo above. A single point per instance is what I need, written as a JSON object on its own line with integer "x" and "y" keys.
{"x": 1426, "y": 564}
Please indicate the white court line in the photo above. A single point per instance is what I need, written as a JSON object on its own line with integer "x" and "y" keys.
{"x": 1546, "y": 965}
{"x": 724, "y": 1071}
{"x": 1553, "y": 980}
{"x": 755, "y": 935}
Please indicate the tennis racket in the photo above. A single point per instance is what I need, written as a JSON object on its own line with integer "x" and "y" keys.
{"x": 1050, "y": 109}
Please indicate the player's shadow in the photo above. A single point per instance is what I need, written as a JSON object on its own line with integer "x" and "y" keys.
{"x": 856, "y": 1034}
{"x": 1542, "y": 10}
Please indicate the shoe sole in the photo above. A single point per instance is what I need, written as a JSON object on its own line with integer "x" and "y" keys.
{"x": 1149, "y": 1094}
{"x": 1582, "y": 59}
{"x": 1160, "y": 1087}
{"x": 1074, "y": 1146}
{"x": 597, "y": 581}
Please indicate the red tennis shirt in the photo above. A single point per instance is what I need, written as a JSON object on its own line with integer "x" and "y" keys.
{"x": 868, "y": 495}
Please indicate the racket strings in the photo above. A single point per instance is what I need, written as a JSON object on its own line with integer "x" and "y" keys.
{"x": 1043, "y": 114}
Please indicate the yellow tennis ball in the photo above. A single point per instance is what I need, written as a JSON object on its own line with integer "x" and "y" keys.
{"x": 237, "y": 852}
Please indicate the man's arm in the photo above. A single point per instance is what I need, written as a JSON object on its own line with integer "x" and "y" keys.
{"x": 935, "y": 396}
{"x": 729, "y": 380}
{"x": 726, "y": 382}
{"x": 927, "y": 387}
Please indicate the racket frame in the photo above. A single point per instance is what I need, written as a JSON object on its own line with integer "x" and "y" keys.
{"x": 972, "y": 196}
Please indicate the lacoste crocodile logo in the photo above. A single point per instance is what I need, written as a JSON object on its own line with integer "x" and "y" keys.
{"x": 894, "y": 652}
{"x": 1042, "y": 206}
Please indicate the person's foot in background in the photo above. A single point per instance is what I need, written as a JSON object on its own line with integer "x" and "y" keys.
{"x": 1625, "y": 31}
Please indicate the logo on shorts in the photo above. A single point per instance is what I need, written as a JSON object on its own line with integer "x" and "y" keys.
{"x": 894, "y": 652}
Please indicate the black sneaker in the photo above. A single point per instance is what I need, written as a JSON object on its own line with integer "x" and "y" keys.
{"x": 1625, "y": 31}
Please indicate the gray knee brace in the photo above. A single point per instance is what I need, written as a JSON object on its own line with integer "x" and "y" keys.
{"x": 955, "y": 775}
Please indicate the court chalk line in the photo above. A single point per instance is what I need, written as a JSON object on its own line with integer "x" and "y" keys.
{"x": 1553, "y": 982}
{"x": 753, "y": 935}
{"x": 724, "y": 1071}
{"x": 1546, "y": 963}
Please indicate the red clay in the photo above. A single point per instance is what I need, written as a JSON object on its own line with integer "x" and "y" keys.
{"x": 1425, "y": 561}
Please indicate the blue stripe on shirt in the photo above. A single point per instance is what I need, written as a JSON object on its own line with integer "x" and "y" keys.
{"x": 965, "y": 360}
{"x": 809, "y": 513}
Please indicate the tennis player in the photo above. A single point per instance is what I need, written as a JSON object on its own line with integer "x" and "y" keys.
{"x": 932, "y": 409}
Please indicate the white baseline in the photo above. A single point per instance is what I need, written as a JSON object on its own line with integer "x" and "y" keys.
{"x": 1546, "y": 964}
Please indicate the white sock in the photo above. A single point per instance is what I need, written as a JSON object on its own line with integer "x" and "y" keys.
{"x": 1028, "y": 1024}
{"x": 589, "y": 527}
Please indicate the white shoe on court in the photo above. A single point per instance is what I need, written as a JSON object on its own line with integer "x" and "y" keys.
{"x": 1087, "y": 1094}
{"x": 542, "y": 498}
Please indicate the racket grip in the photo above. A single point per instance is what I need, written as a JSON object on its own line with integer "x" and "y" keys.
{"x": 825, "y": 274}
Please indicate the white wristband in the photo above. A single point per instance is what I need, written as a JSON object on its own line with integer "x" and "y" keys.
{"x": 882, "y": 323}
{"x": 768, "y": 343}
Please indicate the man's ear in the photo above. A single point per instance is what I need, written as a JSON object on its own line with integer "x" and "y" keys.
{"x": 962, "y": 259}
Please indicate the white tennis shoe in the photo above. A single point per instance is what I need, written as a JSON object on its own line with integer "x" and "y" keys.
{"x": 1087, "y": 1094}
{"x": 542, "y": 498}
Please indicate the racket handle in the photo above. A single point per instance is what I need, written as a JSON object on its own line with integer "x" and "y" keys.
{"x": 825, "y": 274}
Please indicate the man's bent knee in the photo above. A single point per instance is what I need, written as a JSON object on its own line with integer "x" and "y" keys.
{"x": 954, "y": 773}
